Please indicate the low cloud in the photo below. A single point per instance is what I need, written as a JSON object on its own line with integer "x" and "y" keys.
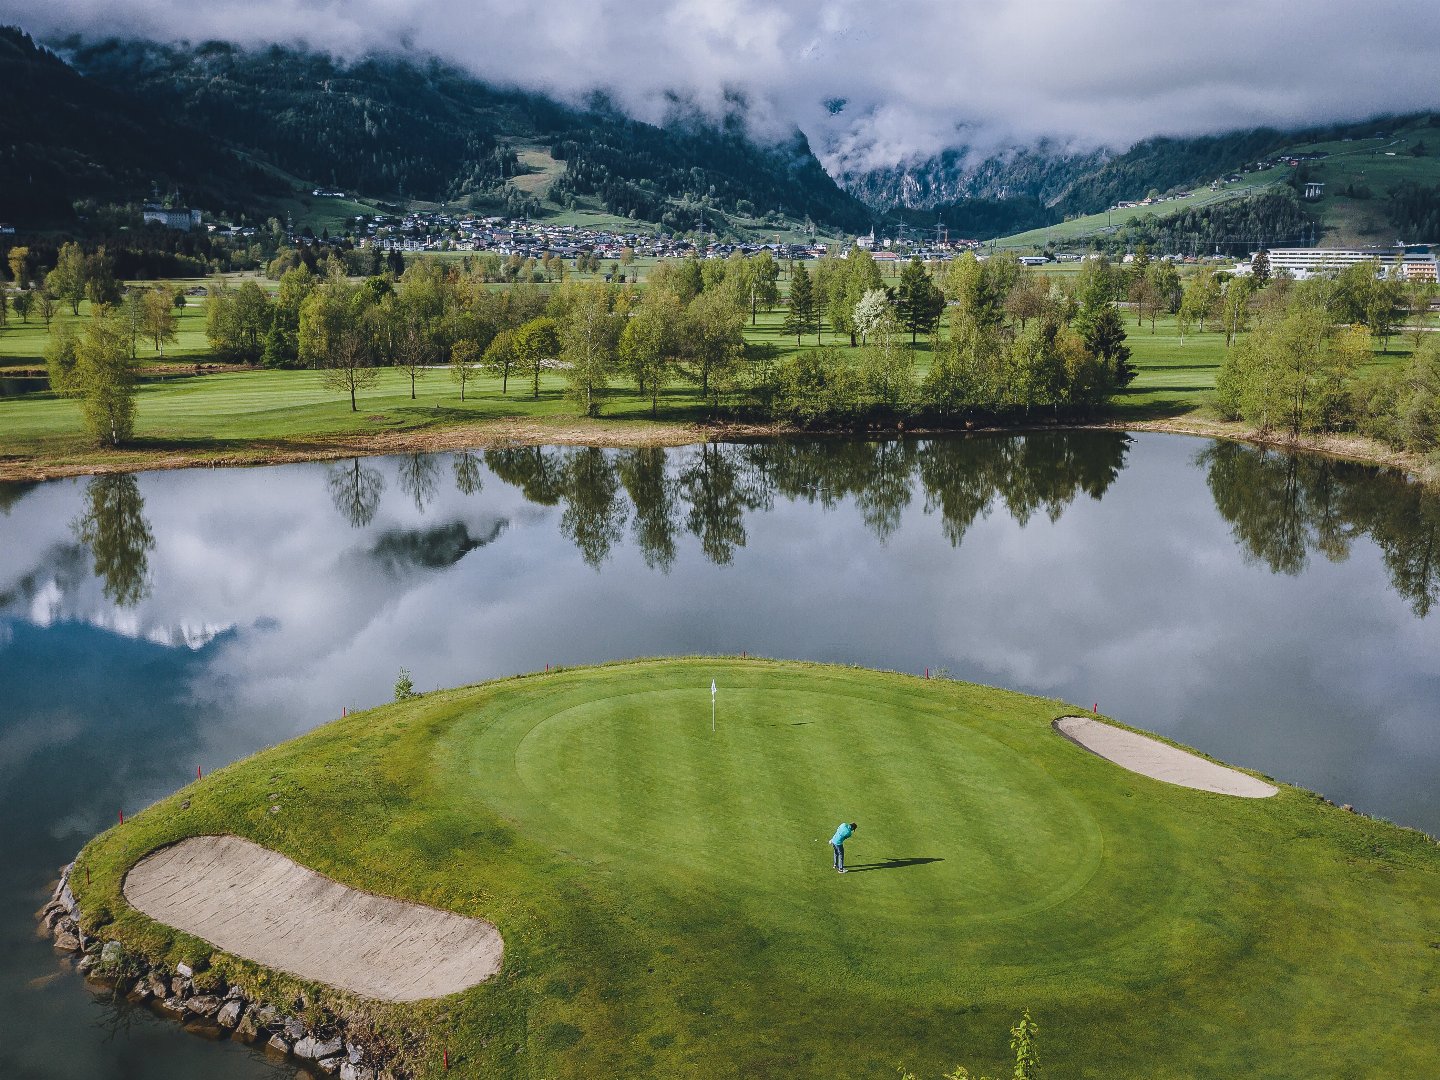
{"x": 915, "y": 77}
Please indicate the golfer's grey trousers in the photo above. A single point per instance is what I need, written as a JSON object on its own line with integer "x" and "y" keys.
{"x": 839, "y": 856}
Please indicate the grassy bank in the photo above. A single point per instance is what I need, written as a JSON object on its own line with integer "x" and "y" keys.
{"x": 668, "y": 908}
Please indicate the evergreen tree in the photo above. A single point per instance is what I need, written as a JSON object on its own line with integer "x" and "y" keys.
{"x": 918, "y": 300}
{"x": 801, "y": 315}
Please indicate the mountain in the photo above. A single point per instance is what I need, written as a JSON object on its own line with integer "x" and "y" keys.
{"x": 65, "y": 137}
{"x": 1028, "y": 188}
{"x": 1042, "y": 173}
{"x": 244, "y": 129}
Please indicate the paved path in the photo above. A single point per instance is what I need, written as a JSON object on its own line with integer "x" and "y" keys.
{"x": 256, "y": 903}
{"x": 1151, "y": 757}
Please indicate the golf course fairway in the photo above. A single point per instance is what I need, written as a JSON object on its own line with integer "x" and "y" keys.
{"x": 668, "y": 907}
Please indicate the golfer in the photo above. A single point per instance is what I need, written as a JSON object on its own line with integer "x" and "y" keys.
{"x": 843, "y": 833}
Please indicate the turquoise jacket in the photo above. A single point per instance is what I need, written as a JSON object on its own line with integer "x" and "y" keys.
{"x": 843, "y": 833}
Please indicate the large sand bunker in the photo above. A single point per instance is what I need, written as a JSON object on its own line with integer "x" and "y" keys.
{"x": 256, "y": 903}
{"x": 1151, "y": 757}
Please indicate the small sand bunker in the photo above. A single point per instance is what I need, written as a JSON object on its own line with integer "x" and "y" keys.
{"x": 256, "y": 903}
{"x": 1151, "y": 757}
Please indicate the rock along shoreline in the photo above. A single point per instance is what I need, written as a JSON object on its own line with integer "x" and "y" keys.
{"x": 331, "y": 1049}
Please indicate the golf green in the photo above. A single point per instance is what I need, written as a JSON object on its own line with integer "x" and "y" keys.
{"x": 668, "y": 906}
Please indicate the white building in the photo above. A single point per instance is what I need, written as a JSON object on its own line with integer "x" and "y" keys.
{"x": 1410, "y": 261}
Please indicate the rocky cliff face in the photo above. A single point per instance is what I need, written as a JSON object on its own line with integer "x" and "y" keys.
{"x": 1044, "y": 173}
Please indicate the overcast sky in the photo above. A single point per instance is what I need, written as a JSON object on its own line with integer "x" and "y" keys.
{"x": 916, "y": 77}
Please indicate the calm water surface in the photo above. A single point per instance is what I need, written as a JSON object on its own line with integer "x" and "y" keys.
{"x": 1273, "y": 611}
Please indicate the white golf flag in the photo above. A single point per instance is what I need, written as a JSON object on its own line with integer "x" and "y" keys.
{"x": 712, "y": 688}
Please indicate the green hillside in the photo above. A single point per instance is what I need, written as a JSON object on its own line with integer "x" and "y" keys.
{"x": 252, "y": 131}
{"x": 1381, "y": 183}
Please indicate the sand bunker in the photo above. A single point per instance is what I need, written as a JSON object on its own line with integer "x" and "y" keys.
{"x": 256, "y": 903}
{"x": 1151, "y": 757}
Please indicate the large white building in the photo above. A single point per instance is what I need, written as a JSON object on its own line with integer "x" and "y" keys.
{"x": 1409, "y": 261}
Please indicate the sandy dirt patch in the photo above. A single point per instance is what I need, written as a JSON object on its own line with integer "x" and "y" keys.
{"x": 256, "y": 903}
{"x": 1151, "y": 757}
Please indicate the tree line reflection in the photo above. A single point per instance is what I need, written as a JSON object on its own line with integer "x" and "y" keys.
{"x": 1282, "y": 509}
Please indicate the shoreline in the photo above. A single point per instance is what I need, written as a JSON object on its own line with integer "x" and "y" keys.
{"x": 627, "y": 434}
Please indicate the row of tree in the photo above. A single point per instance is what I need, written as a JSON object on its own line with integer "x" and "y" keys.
{"x": 1301, "y": 367}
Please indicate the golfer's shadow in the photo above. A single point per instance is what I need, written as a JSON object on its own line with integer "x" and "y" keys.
{"x": 889, "y": 864}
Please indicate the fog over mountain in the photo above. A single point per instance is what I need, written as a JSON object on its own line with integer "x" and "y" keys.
{"x": 872, "y": 84}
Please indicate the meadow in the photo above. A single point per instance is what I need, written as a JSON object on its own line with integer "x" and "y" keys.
{"x": 668, "y": 905}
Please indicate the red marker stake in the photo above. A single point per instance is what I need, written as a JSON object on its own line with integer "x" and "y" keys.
{"x": 198, "y": 774}
{"x": 122, "y": 817}
{"x": 87, "y": 875}
{"x": 1095, "y": 708}
{"x": 927, "y": 673}
{"x": 446, "y": 1055}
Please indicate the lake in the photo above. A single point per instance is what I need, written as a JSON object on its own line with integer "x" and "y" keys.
{"x": 1278, "y": 612}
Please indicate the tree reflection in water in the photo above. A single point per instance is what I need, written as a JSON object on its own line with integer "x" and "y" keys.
{"x": 1283, "y": 507}
{"x": 114, "y": 528}
{"x": 355, "y": 490}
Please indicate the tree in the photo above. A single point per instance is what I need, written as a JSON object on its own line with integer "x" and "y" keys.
{"x": 714, "y": 339}
{"x": 404, "y": 686}
{"x": 411, "y": 335}
{"x": 1167, "y": 286}
{"x": 100, "y": 284}
{"x": 4, "y": 306}
{"x": 1199, "y": 300}
{"x": 1030, "y": 298}
{"x": 763, "y": 280}
{"x": 860, "y": 276}
{"x": 1103, "y": 332}
{"x": 1145, "y": 298}
{"x": 589, "y": 338}
{"x": 61, "y": 358}
{"x": 1292, "y": 371}
{"x": 158, "y": 318}
{"x": 105, "y": 379}
{"x": 132, "y": 314}
{"x": 536, "y": 342}
{"x": 869, "y": 310}
{"x": 650, "y": 342}
{"x": 464, "y": 363}
{"x": 23, "y": 303}
{"x": 499, "y": 358}
{"x": 335, "y": 336}
{"x": 1235, "y": 306}
{"x": 67, "y": 281}
{"x": 886, "y": 365}
{"x": 919, "y": 302}
{"x": 19, "y": 260}
{"x": 44, "y": 305}
{"x": 801, "y": 315}
{"x": 1260, "y": 267}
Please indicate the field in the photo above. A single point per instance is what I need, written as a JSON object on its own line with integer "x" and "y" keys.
{"x": 668, "y": 906}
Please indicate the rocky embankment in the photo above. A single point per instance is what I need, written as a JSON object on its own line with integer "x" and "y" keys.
{"x": 205, "y": 999}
